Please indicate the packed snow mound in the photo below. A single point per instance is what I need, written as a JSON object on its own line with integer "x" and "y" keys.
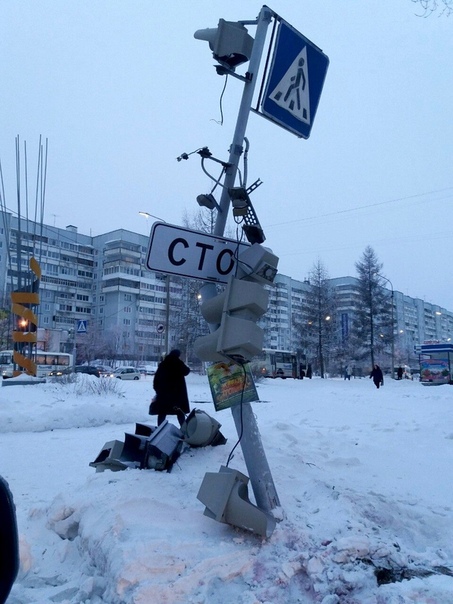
{"x": 362, "y": 477}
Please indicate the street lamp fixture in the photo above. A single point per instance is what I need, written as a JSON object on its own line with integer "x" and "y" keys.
{"x": 208, "y": 201}
{"x": 148, "y": 215}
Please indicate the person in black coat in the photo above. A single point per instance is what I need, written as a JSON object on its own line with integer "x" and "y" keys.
{"x": 171, "y": 391}
{"x": 377, "y": 375}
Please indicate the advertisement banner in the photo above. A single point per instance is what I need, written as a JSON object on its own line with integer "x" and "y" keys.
{"x": 434, "y": 371}
{"x": 231, "y": 383}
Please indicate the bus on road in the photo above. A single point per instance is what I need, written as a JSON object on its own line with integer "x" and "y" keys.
{"x": 276, "y": 364}
{"x": 45, "y": 361}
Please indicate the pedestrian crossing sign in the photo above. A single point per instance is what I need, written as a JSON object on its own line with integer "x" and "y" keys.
{"x": 292, "y": 92}
{"x": 81, "y": 326}
{"x": 295, "y": 81}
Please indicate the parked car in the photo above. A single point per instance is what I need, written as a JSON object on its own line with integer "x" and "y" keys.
{"x": 126, "y": 373}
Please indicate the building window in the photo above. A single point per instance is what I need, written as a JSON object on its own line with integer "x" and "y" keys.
{"x": 83, "y": 309}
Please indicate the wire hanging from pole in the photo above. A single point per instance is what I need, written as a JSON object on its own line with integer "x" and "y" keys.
{"x": 221, "y": 103}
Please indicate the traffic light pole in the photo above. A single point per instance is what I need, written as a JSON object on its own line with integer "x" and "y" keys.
{"x": 236, "y": 148}
{"x": 252, "y": 447}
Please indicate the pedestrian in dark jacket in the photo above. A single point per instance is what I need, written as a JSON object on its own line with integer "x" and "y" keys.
{"x": 377, "y": 375}
{"x": 171, "y": 391}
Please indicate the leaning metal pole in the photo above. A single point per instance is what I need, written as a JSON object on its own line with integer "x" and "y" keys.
{"x": 252, "y": 447}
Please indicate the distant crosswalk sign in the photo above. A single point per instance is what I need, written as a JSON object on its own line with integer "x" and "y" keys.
{"x": 295, "y": 81}
{"x": 81, "y": 326}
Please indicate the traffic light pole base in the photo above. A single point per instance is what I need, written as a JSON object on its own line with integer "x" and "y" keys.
{"x": 255, "y": 458}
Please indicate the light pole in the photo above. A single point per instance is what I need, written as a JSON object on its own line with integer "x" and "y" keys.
{"x": 321, "y": 342}
{"x": 393, "y": 322}
{"x": 147, "y": 215}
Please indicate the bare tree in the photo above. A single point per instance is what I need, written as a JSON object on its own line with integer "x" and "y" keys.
{"x": 5, "y": 325}
{"x": 112, "y": 346}
{"x": 203, "y": 220}
{"x": 92, "y": 345}
{"x": 188, "y": 322}
{"x": 442, "y": 7}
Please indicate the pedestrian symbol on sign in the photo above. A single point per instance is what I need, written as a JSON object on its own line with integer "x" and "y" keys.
{"x": 81, "y": 326}
{"x": 292, "y": 92}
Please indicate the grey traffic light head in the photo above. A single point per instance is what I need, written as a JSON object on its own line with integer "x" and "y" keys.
{"x": 238, "y": 308}
{"x": 230, "y": 42}
{"x": 257, "y": 263}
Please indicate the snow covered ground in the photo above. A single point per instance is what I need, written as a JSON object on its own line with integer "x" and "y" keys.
{"x": 364, "y": 477}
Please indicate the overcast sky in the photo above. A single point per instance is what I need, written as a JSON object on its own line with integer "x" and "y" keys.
{"x": 120, "y": 88}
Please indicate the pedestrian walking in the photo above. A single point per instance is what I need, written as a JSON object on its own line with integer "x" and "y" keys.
{"x": 377, "y": 376}
{"x": 171, "y": 391}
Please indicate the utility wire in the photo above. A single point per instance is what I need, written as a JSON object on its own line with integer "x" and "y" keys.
{"x": 357, "y": 208}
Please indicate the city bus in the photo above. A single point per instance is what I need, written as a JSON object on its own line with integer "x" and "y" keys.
{"x": 45, "y": 361}
{"x": 276, "y": 363}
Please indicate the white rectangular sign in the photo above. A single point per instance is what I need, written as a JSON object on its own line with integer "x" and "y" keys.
{"x": 179, "y": 251}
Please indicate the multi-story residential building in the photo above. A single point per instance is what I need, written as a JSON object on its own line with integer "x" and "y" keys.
{"x": 102, "y": 283}
{"x": 131, "y": 303}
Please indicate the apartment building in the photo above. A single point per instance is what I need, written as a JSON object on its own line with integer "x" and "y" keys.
{"x": 99, "y": 287}
{"x": 90, "y": 287}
